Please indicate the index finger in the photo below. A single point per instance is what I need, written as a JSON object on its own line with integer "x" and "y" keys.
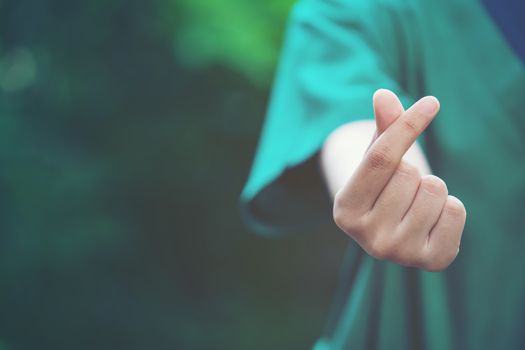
{"x": 383, "y": 157}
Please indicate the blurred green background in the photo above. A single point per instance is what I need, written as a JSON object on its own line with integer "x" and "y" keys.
{"x": 127, "y": 130}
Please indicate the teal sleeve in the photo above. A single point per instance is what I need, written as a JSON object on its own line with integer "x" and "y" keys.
{"x": 335, "y": 56}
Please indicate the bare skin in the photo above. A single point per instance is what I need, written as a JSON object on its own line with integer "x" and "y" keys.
{"x": 381, "y": 199}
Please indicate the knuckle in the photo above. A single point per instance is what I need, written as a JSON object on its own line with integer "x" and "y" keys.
{"x": 403, "y": 250}
{"x": 407, "y": 170}
{"x": 339, "y": 201}
{"x": 434, "y": 185}
{"x": 379, "y": 249}
{"x": 346, "y": 219}
{"x": 397, "y": 247}
{"x": 340, "y": 217}
{"x": 411, "y": 258}
{"x": 380, "y": 158}
{"x": 398, "y": 257}
{"x": 439, "y": 261}
{"x": 454, "y": 207}
{"x": 410, "y": 126}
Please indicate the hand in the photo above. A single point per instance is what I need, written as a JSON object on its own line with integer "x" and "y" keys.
{"x": 387, "y": 207}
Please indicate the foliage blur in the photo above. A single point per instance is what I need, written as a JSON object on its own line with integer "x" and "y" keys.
{"x": 126, "y": 132}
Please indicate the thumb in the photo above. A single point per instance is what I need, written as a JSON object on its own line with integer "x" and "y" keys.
{"x": 387, "y": 108}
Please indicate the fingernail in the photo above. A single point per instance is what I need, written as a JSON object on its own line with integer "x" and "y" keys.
{"x": 427, "y": 105}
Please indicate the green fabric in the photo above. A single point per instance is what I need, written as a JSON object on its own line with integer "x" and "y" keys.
{"x": 336, "y": 54}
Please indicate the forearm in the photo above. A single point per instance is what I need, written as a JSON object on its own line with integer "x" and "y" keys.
{"x": 344, "y": 148}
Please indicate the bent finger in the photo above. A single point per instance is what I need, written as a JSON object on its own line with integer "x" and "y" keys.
{"x": 384, "y": 155}
{"x": 445, "y": 237}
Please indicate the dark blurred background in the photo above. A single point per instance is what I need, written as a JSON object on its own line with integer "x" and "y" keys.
{"x": 127, "y": 130}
